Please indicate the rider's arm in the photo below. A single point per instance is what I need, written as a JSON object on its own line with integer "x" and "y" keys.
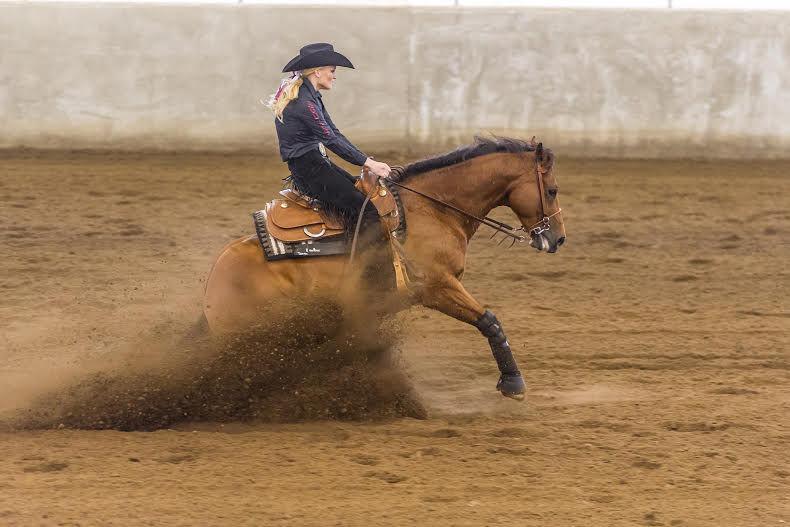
{"x": 342, "y": 138}
{"x": 337, "y": 143}
{"x": 380, "y": 169}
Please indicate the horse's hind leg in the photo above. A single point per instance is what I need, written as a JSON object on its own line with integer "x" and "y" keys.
{"x": 454, "y": 300}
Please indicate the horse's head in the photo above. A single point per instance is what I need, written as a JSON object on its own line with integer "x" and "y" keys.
{"x": 533, "y": 197}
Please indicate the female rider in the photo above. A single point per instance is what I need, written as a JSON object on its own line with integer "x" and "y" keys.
{"x": 304, "y": 128}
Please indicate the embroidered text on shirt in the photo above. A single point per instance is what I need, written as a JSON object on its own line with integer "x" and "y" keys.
{"x": 321, "y": 123}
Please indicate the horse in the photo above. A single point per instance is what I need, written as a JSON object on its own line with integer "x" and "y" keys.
{"x": 446, "y": 199}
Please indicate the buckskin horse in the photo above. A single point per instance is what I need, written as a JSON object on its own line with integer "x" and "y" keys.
{"x": 445, "y": 200}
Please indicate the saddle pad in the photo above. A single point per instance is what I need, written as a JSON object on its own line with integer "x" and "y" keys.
{"x": 274, "y": 249}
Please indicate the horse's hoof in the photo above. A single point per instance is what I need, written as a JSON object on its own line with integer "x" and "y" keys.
{"x": 512, "y": 385}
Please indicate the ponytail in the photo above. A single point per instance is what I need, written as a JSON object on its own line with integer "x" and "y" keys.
{"x": 288, "y": 91}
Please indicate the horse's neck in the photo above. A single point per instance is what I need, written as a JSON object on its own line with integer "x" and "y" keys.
{"x": 475, "y": 186}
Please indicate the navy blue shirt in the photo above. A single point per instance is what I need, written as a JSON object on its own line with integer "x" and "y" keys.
{"x": 307, "y": 123}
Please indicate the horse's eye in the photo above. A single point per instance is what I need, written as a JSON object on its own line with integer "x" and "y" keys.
{"x": 553, "y": 192}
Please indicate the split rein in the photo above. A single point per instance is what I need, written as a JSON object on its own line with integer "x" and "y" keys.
{"x": 535, "y": 230}
{"x": 497, "y": 225}
{"x": 488, "y": 222}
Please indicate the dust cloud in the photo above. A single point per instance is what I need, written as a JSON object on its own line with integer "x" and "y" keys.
{"x": 282, "y": 371}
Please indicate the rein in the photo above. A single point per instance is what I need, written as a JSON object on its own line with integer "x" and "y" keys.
{"x": 541, "y": 226}
{"x": 488, "y": 222}
{"x": 537, "y": 229}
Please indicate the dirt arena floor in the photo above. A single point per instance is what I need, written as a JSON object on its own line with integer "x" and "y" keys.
{"x": 655, "y": 345}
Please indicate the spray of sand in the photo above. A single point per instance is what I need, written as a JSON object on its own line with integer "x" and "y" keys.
{"x": 287, "y": 370}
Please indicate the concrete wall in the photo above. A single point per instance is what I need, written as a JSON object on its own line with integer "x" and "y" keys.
{"x": 587, "y": 82}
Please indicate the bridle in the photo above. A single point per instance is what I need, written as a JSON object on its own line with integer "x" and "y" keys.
{"x": 541, "y": 226}
{"x": 544, "y": 223}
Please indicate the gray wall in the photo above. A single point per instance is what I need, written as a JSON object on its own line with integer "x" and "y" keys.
{"x": 587, "y": 82}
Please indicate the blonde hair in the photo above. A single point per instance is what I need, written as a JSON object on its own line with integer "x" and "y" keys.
{"x": 287, "y": 92}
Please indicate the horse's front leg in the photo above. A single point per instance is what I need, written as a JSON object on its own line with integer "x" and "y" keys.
{"x": 454, "y": 300}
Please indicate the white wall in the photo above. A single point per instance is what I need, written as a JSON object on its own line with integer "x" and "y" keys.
{"x": 635, "y": 83}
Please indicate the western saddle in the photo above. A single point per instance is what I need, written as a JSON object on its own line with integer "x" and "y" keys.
{"x": 294, "y": 226}
{"x": 296, "y": 217}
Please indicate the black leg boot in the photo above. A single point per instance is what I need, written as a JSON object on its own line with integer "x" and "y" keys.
{"x": 510, "y": 384}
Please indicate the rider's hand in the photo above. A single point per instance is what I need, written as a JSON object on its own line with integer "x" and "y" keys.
{"x": 378, "y": 169}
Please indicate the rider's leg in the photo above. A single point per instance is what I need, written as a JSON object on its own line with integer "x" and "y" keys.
{"x": 318, "y": 177}
{"x": 371, "y": 240}
{"x": 370, "y": 229}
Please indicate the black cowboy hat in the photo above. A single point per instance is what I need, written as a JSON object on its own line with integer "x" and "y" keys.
{"x": 317, "y": 55}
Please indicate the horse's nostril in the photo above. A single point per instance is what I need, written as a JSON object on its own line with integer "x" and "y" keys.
{"x": 560, "y": 241}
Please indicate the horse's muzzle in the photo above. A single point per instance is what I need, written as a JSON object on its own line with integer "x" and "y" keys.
{"x": 546, "y": 242}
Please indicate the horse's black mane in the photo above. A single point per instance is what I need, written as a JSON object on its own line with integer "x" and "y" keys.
{"x": 480, "y": 147}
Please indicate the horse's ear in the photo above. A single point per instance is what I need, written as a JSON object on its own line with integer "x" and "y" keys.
{"x": 539, "y": 153}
